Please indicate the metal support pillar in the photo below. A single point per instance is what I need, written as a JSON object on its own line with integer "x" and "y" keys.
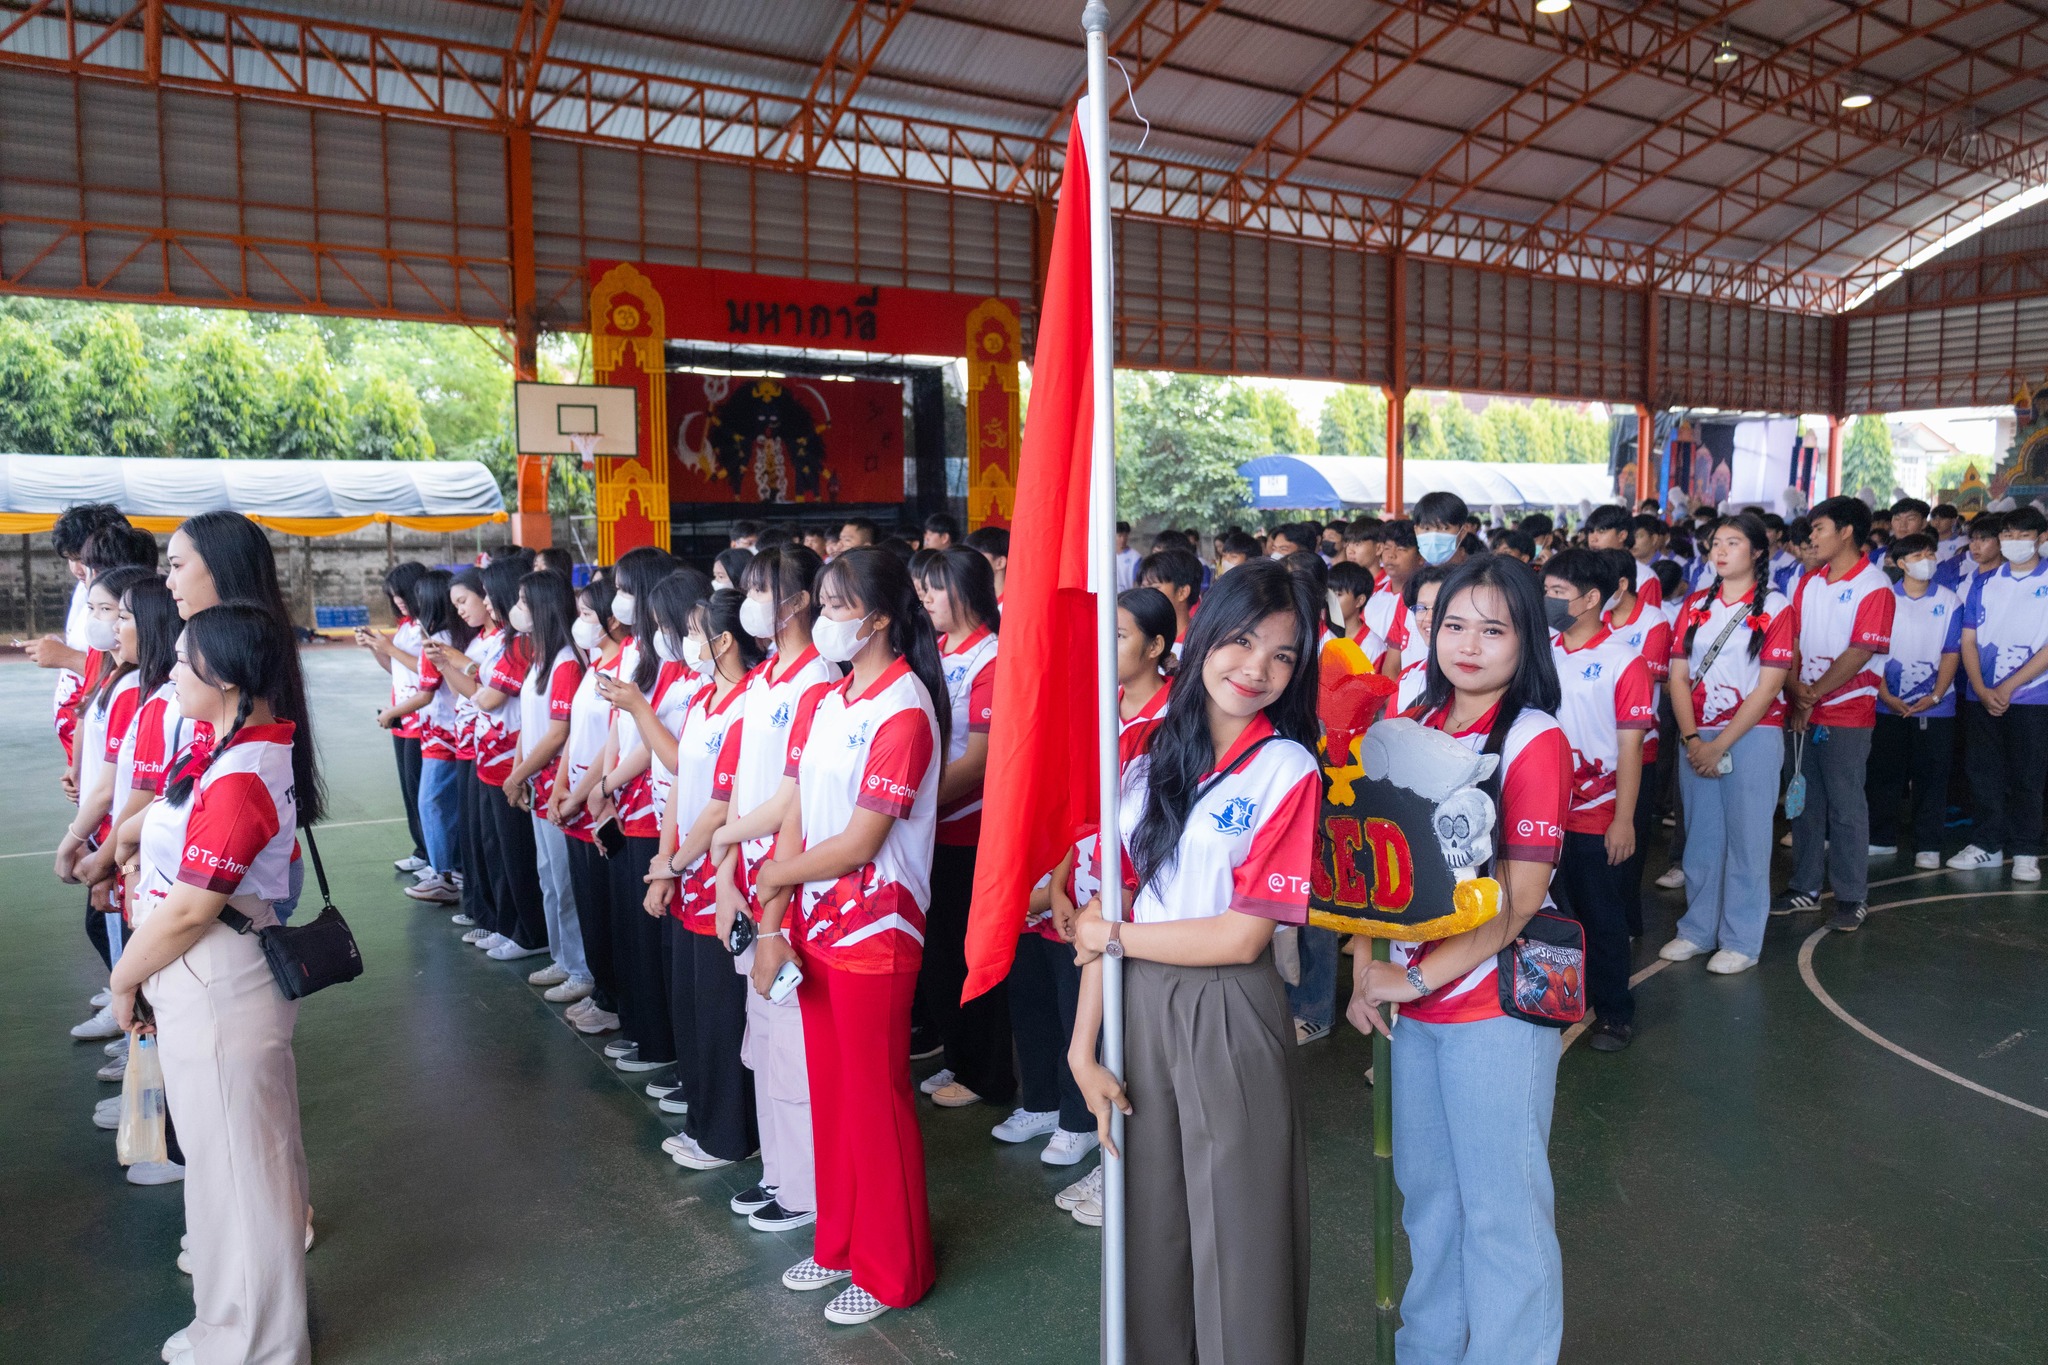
{"x": 1646, "y": 457}
{"x": 1397, "y": 382}
{"x": 531, "y": 525}
{"x": 1834, "y": 455}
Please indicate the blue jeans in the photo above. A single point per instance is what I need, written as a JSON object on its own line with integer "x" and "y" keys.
{"x": 1314, "y": 999}
{"x": 1728, "y": 842}
{"x": 295, "y": 883}
{"x": 1472, "y": 1107}
{"x": 441, "y": 812}
{"x": 565, "y": 932}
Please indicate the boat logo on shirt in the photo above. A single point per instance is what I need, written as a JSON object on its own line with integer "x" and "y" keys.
{"x": 956, "y": 675}
{"x": 780, "y": 720}
{"x": 1845, "y": 594}
{"x": 858, "y": 737}
{"x": 1236, "y": 816}
{"x": 1591, "y": 672}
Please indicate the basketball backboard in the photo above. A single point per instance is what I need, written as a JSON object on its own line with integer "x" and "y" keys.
{"x": 552, "y": 417}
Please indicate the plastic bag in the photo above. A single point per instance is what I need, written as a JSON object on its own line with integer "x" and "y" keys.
{"x": 1795, "y": 790}
{"x": 140, "y": 1136}
{"x": 1287, "y": 953}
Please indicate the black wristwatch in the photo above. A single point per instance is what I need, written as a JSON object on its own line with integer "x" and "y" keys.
{"x": 1687, "y": 739}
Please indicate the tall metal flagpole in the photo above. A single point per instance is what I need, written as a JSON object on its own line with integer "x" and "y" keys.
{"x": 1102, "y": 562}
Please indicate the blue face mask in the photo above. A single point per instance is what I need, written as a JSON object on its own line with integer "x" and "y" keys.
{"x": 1436, "y": 547}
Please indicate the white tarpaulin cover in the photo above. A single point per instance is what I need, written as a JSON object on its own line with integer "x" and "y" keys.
{"x": 274, "y": 488}
{"x": 1286, "y": 481}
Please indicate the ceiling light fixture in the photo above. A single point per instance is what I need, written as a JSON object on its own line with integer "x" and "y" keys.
{"x": 1855, "y": 99}
{"x": 1726, "y": 54}
{"x": 1552, "y": 6}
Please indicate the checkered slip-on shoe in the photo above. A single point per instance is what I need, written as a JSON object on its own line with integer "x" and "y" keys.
{"x": 854, "y": 1306}
{"x": 808, "y": 1274}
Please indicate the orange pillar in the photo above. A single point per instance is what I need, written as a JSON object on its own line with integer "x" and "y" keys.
{"x": 1834, "y": 456}
{"x": 531, "y": 525}
{"x": 1397, "y": 388}
{"x": 1646, "y": 455}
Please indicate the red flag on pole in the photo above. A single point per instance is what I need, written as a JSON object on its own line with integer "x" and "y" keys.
{"x": 1041, "y": 783}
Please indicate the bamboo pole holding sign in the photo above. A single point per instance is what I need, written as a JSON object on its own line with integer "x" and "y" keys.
{"x": 1102, "y": 575}
{"x": 1382, "y": 1183}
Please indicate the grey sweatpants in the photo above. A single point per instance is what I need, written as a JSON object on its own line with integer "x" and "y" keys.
{"x": 1834, "y": 829}
{"x": 1217, "y": 1184}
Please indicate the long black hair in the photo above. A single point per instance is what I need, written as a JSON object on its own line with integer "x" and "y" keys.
{"x": 156, "y": 630}
{"x": 471, "y": 578}
{"x": 434, "y": 608}
{"x": 965, "y": 576}
{"x": 1154, "y": 617}
{"x": 398, "y": 581}
{"x": 719, "y": 614}
{"x": 238, "y": 556}
{"x": 671, "y": 603}
{"x": 1534, "y": 686}
{"x": 115, "y": 583}
{"x": 734, "y": 561}
{"x": 239, "y": 645}
{"x": 1182, "y": 751}
{"x": 637, "y": 573}
{"x": 501, "y": 586}
{"x": 783, "y": 571}
{"x": 877, "y": 581}
{"x": 597, "y": 594}
{"x": 552, "y": 605}
{"x": 1752, "y": 526}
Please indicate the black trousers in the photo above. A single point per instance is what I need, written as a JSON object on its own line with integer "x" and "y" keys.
{"x": 709, "y": 1001}
{"x": 479, "y": 893}
{"x": 1909, "y": 766}
{"x": 977, "y": 1034}
{"x": 96, "y": 933}
{"x": 513, "y": 865}
{"x": 1599, "y": 901}
{"x": 590, "y": 877}
{"x": 2007, "y": 755}
{"x": 1045, "y": 989}
{"x": 407, "y": 752}
{"x": 640, "y": 954}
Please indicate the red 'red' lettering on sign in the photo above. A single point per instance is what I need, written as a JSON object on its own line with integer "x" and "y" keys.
{"x": 1393, "y": 869}
{"x": 1348, "y": 838}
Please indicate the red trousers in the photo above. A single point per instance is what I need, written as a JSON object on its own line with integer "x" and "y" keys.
{"x": 873, "y": 1218}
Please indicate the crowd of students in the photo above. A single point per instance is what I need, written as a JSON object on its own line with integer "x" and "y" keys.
{"x": 731, "y": 818}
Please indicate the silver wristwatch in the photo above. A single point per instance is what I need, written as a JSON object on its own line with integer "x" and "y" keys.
{"x": 1415, "y": 978}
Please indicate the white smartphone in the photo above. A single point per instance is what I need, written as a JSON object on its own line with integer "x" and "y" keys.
{"x": 785, "y": 983}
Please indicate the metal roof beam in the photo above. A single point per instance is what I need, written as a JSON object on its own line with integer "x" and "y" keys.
{"x": 840, "y": 75}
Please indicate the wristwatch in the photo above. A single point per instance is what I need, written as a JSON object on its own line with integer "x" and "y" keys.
{"x": 1115, "y": 946}
{"x": 1415, "y": 978}
{"x": 1687, "y": 739}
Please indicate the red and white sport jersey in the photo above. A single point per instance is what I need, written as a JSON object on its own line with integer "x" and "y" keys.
{"x": 676, "y": 689}
{"x": 235, "y": 833}
{"x": 1648, "y": 586}
{"x": 1833, "y": 615}
{"x": 704, "y": 773}
{"x": 590, "y": 720}
{"x": 1719, "y": 693}
{"x": 405, "y": 682}
{"x": 1248, "y": 840}
{"x": 1384, "y": 627}
{"x": 497, "y": 729}
{"x": 70, "y": 685}
{"x": 1535, "y": 792}
{"x": 102, "y": 722}
{"x": 971, "y": 692}
{"x": 437, "y": 717}
{"x": 1412, "y": 683}
{"x": 2010, "y": 617}
{"x": 147, "y": 748}
{"x": 545, "y": 696}
{"x": 768, "y": 709}
{"x": 1134, "y": 733}
{"x": 1605, "y": 689}
{"x": 1648, "y": 633}
{"x": 482, "y": 652}
{"x": 878, "y": 751}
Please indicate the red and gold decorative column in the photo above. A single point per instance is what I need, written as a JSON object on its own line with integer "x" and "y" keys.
{"x": 994, "y": 347}
{"x": 627, "y": 328}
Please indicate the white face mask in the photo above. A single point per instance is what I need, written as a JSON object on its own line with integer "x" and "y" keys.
{"x": 838, "y": 641}
{"x": 1336, "y": 605}
{"x": 587, "y": 634}
{"x": 99, "y": 634}
{"x": 2017, "y": 551}
{"x": 521, "y": 618}
{"x": 694, "y": 656}
{"x": 757, "y": 619}
{"x": 665, "y": 651}
{"x": 1920, "y": 570}
{"x": 622, "y": 608}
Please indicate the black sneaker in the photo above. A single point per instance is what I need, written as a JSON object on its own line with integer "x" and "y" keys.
{"x": 925, "y": 1044}
{"x": 772, "y": 1217}
{"x": 1795, "y": 903}
{"x": 1847, "y": 919}
{"x": 1606, "y": 1037}
{"x": 753, "y": 1197}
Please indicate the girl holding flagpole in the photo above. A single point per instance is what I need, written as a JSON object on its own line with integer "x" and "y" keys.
{"x": 1218, "y": 823}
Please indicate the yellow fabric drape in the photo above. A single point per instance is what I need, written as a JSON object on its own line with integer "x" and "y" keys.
{"x": 35, "y": 523}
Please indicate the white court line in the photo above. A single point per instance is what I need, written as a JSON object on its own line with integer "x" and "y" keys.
{"x": 1806, "y": 973}
{"x": 339, "y": 824}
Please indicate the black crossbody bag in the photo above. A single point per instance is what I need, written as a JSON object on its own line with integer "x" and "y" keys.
{"x": 309, "y": 957}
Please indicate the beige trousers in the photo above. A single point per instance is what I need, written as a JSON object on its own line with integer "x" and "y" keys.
{"x": 773, "y": 1050}
{"x": 224, "y": 1032}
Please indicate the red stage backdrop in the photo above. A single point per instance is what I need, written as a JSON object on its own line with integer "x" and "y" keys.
{"x": 788, "y": 439}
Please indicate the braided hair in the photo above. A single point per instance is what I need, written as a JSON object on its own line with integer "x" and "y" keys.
{"x": 1751, "y": 526}
{"x": 239, "y": 645}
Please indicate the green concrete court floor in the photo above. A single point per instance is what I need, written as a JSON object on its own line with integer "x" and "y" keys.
{"x": 1752, "y": 1181}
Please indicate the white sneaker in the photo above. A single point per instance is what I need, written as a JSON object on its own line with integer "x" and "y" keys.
{"x": 597, "y": 1021}
{"x": 1973, "y": 857}
{"x": 575, "y": 989}
{"x": 854, "y": 1306}
{"x": 684, "y": 1151}
{"x": 1672, "y": 878}
{"x": 1066, "y": 1149}
{"x": 554, "y": 974}
{"x": 488, "y": 941}
{"x": 808, "y": 1274}
{"x": 579, "y": 1008}
{"x": 102, "y": 1026}
{"x": 460, "y": 918}
{"x": 155, "y": 1173}
{"x": 930, "y": 1085}
{"x": 411, "y": 864}
{"x": 1087, "y": 1185}
{"x": 184, "y": 1260}
{"x": 1883, "y": 850}
{"x": 1680, "y": 950}
{"x": 435, "y": 888}
{"x": 117, "y": 1048}
{"x": 2026, "y": 867}
{"x": 101, "y": 999}
{"x": 1088, "y": 1213}
{"x": 510, "y": 951}
{"x": 114, "y": 1070}
{"x": 1728, "y": 962}
{"x": 475, "y": 936}
{"x": 1927, "y": 860}
{"x": 1024, "y": 1125}
{"x": 180, "y": 1340}
{"x": 106, "y": 1115}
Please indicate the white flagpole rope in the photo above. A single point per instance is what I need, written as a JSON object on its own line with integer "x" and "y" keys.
{"x": 1102, "y": 557}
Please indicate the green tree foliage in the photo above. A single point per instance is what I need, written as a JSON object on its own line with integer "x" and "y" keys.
{"x": 113, "y": 404}
{"x": 1275, "y": 412}
{"x": 220, "y": 398}
{"x": 390, "y": 423}
{"x": 1180, "y": 439}
{"x": 311, "y": 414}
{"x": 1867, "y": 458}
{"x": 1353, "y": 422}
{"x": 34, "y": 416}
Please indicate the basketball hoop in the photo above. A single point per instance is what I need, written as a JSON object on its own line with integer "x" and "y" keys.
{"x": 585, "y": 444}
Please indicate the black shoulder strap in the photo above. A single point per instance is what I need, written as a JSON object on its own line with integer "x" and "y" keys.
{"x": 1209, "y": 782}
{"x": 239, "y": 922}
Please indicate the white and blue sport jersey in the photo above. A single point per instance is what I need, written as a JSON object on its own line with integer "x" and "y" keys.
{"x": 1924, "y": 629}
{"x": 2009, "y": 613}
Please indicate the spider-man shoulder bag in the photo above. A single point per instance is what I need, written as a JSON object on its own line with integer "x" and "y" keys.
{"x": 1542, "y": 974}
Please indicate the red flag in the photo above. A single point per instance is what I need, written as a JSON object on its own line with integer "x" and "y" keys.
{"x": 1041, "y": 784}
